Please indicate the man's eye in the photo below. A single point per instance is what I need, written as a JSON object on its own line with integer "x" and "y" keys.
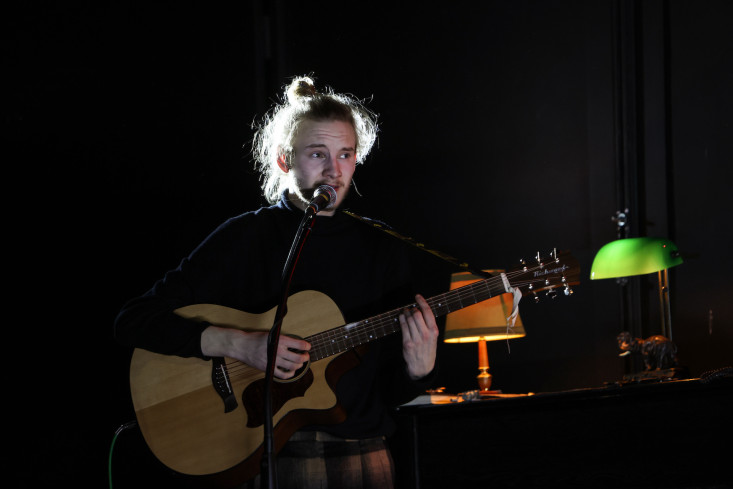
{"x": 317, "y": 154}
{"x": 346, "y": 156}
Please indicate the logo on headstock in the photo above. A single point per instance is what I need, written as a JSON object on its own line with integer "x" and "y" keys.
{"x": 550, "y": 271}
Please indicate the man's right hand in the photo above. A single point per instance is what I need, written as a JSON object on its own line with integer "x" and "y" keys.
{"x": 251, "y": 348}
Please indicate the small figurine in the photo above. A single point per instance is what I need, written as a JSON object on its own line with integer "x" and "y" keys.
{"x": 658, "y": 351}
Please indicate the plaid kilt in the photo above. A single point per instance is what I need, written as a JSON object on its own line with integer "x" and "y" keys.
{"x": 317, "y": 460}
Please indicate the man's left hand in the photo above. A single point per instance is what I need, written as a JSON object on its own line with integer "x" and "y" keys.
{"x": 419, "y": 338}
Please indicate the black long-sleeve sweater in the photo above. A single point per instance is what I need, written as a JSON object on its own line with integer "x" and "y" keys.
{"x": 240, "y": 265}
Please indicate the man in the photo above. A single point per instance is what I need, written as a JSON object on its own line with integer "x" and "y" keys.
{"x": 310, "y": 139}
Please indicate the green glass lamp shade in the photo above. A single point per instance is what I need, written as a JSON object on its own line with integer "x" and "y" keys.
{"x": 634, "y": 256}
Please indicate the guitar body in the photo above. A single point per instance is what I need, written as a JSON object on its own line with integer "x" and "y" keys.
{"x": 183, "y": 419}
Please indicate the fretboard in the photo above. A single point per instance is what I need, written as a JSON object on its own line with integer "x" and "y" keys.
{"x": 342, "y": 338}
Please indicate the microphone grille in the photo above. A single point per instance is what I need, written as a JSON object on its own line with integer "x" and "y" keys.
{"x": 328, "y": 191}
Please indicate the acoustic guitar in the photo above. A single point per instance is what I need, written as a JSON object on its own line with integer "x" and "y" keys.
{"x": 205, "y": 418}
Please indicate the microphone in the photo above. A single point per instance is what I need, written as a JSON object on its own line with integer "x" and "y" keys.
{"x": 324, "y": 198}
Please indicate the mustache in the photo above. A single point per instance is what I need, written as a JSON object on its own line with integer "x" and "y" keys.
{"x": 311, "y": 191}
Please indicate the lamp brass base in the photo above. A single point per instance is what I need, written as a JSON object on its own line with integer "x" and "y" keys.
{"x": 484, "y": 380}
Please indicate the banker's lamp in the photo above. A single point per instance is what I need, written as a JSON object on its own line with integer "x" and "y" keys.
{"x": 482, "y": 322}
{"x": 639, "y": 256}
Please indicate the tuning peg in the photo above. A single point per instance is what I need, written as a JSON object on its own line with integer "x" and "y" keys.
{"x": 536, "y": 297}
{"x": 523, "y": 263}
{"x": 538, "y": 258}
{"x": 554, "y": 255}
{"x": 566, "y": 287}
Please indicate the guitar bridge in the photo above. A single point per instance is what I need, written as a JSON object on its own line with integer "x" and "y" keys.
{"x": 222, "y": 385}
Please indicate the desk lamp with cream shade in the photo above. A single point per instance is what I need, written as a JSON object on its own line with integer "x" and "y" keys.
{"x": 489, "y": 320}
{"x": 477, "y": 308}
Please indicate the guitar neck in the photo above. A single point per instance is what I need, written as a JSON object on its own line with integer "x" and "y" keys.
{"x": 559, "y": 269}
{"x": 342, "y": 338}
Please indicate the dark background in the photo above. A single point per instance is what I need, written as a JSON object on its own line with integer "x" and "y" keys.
{"x": 507, "y": 128}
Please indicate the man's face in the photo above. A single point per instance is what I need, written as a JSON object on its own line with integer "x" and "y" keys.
{"x": 324, "y": 153}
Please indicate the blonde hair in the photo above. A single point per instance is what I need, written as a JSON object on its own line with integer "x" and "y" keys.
{"x": 301, "y": 101}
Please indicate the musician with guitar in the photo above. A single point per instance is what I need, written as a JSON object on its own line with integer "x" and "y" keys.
{"x": 200, "y": 333}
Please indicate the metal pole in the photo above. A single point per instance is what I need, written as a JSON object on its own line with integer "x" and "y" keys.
{"x": 664, "y": 306}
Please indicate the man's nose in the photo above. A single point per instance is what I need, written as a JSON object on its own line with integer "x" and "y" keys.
{"x": 332, "y": 168}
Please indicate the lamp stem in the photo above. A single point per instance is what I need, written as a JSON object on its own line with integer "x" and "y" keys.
{"x": 664, "y": 307}
{"x": 483, "y": 354}
{"x": 484, "y": 377}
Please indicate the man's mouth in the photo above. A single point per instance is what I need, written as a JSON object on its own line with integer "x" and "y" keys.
{"x": 335, "y": 186}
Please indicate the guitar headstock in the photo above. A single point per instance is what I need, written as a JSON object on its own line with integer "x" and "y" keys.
{"x": 546, "y": 273}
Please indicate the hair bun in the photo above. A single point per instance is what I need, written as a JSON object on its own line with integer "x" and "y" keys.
{"x": 301, "y": 87}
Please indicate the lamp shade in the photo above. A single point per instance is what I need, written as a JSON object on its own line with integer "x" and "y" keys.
{"x": 485, "y": 320}
{"x": 634, "y": 256}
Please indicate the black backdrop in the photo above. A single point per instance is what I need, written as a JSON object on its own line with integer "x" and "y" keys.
{"x": 508, "y": 127}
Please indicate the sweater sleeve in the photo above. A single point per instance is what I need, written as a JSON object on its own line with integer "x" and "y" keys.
{"x": 397, "y": 386}
{"x": 150, "y": 322}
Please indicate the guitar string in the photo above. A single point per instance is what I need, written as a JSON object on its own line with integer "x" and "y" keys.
{"x": 324, "y": 345}
{"x": 333, "y": 341}
{"x": 471, "y": 293}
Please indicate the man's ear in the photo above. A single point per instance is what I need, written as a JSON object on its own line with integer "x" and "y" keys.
{"x": 282, "y": 162}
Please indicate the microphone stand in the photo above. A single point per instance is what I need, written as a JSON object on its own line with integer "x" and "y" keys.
{"x": 268, "y": 477}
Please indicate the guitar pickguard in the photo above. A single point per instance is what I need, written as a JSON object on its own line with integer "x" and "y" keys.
{"x": 281, "y": 393}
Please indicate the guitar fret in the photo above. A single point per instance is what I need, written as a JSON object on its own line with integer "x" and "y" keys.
{"x": 359, "y": 336}
{"x": 331, "y": 342}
